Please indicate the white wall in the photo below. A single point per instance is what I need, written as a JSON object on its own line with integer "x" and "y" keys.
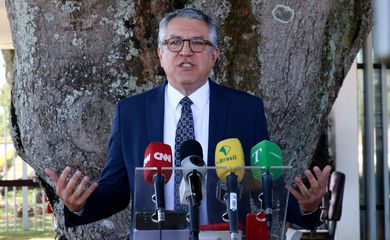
{"x": 5, "y": 30}
{"x": 344, "y": 118}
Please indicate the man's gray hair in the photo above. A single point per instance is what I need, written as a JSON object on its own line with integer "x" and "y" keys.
{"x": 188, "y": 13}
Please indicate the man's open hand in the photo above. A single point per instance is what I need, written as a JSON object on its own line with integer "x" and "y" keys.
{"x": 74, "y": 193}
{"x": 310, "y": 198}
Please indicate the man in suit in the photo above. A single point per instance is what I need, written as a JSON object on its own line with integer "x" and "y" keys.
{"x": 188, "y": 49}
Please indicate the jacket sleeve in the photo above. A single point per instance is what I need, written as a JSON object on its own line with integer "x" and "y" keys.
{"x": 295, "y": 216}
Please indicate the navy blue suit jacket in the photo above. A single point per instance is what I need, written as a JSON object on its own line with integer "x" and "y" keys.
{"x": 139, "y": 120}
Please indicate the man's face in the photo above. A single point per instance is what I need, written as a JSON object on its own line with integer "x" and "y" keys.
{"x": 187, "y": 70}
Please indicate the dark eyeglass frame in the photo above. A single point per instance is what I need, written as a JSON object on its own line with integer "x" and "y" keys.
{"x": 205, "y": 43}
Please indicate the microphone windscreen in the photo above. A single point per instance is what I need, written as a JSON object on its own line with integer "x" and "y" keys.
{"x": 229, "y": 153}
{"x": 191, "y": 157}
{"x": 193, "y": 162}
{"x": 185, "y": 191}
{"x": 190, "y": 147}
{"x": 157, "y": 155}
{"x": 266, "y": 154}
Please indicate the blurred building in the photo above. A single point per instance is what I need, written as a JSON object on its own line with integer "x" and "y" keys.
{"x": 5, "y": 31}
{"x": 382, "y": 29}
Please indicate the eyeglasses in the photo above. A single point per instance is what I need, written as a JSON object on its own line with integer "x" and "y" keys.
{"x": 196, "y": 44}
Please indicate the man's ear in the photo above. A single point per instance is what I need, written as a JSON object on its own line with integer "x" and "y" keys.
{"x": 159, "y": 53}
{"x": 216, "y": 54}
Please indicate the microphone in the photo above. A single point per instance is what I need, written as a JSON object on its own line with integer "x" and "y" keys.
{"x": 268, "y": 155}
{"x": 191, "y": 156}
{"x": 158, "y": 155}
{"x": 229, "y": 153}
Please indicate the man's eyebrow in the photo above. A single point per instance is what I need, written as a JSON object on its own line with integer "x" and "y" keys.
{"x": 198, "y": 37}
{"x": 175, "y": 36}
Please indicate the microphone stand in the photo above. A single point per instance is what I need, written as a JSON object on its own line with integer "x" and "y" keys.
{"x": 195, "y": 198}
{"x": 194, "y": 222}
{"x": 231, "y": 202}
{"x": 160, "y": 200}
{"x": 267, "y": 193}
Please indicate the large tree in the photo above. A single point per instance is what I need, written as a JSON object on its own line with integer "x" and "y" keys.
{"x": 75, "y": 59}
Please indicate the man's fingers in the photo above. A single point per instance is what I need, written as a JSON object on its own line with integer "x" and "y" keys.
{"x": 304, "y": 191}
{"x": 77, "y": 201}
{"x": 314, "y": 186}
{"x": 78, "y": 198}
{"x": 294, "y": 192}
{"x": 88, "y": 192}
{"x": 74, "y": 193}
{"x": 62, "y": 181}
{"x": 326, "y": 172}
{"x": 323, "y": 176}
{"x": 310, "y": 199}
{"x": 52, "y": 174}
{"x": 73, "y": 181}
{"x": 81, "y": 187}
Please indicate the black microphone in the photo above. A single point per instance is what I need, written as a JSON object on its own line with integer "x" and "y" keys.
{"x": 191, "y": 156}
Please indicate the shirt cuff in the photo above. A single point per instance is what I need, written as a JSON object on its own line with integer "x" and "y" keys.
{"x": 79, "y": 213}
{"x": 308, "y": 213}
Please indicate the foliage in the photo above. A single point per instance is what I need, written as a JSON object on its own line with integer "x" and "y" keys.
{"x": 5, "y": 102}
{"x": 7, "y": 158}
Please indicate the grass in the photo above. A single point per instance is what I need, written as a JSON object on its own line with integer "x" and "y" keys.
{"x": 27, "y": 235}
{"x": 35, "y": 232}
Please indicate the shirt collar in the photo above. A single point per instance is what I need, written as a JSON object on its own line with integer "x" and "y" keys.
{"x": 199, "y": 98}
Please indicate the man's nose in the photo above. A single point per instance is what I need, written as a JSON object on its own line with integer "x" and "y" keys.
{"x": 186, "y": 50}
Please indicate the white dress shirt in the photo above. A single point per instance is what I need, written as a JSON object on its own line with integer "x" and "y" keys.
{"x": 172, "y": 112}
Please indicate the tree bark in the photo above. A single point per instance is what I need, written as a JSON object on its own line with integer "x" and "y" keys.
{"x": 75, "y": 59}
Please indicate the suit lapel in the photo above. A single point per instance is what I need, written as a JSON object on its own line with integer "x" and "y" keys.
{"x": 155, "y": 114}
{"x": 217, "y": 121}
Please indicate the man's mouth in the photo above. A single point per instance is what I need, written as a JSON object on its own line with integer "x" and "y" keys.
{"x": 186, "y": 65}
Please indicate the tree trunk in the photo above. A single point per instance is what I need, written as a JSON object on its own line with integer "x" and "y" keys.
{"x": 75, "y": 59}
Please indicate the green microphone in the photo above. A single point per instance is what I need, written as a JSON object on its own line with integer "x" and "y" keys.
{"x": 268, "y": 155}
